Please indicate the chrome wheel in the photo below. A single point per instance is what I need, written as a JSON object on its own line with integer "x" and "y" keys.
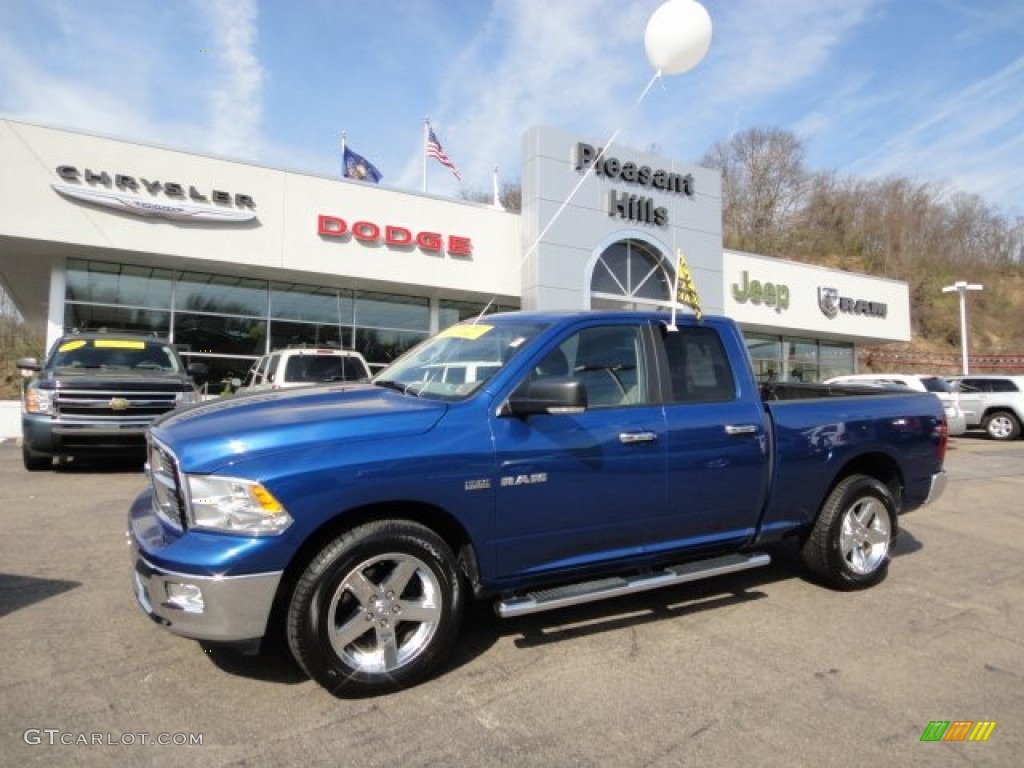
{"x": 384, "y": 613}
{"x": 865, "y": 535}
{"x": 377, "y": 609}
{"x": 850, "y": 542}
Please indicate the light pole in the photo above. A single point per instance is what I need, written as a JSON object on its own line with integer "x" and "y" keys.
{"x": 962, "y": 287}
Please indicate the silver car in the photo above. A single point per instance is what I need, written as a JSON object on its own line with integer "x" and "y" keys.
{"x": 994, "y": 402}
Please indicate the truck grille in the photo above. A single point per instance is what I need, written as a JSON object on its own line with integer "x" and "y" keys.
{"x": 99, "y": 406}
{"x": 168, "y": 496}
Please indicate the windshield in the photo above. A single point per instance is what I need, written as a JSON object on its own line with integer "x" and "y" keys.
{"x": 109, "y": 354}
{"x": 456, "y": 362}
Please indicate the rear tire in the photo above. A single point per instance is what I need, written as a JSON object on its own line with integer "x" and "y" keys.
{"x": 378, "y": 609}
{"x": 850, "y": 544}
{"x": 34, "y": 461}
{"x": 1002, "y": 425}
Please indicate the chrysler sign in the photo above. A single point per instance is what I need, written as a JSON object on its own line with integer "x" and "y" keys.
{"x": 165, "y": 199}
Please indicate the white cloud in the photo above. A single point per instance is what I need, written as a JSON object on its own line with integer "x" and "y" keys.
{"x": 236, "y": 96}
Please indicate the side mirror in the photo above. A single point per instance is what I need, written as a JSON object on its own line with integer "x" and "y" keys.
{"x": 198, "y": 371}
{"x": 27, "y": 366}
{"x": 554, "y": 395}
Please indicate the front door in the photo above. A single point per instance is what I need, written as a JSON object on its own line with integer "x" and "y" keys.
{"x": 576, "y": 490}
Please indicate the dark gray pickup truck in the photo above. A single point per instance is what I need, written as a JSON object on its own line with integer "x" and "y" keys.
{"x": 97, "y": 394}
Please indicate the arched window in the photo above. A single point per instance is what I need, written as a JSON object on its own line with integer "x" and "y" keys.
{"x": 631, "y": 274}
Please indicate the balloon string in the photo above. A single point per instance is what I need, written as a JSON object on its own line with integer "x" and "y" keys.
{"x": 572, "y": 194}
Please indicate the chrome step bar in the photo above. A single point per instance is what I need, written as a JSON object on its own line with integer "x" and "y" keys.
{"x": 602, "y": 589}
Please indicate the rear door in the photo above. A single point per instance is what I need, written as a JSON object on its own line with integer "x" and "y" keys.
{"x": 579, "y": 489}
{"x": 973, "y": 393}
{"x": 717, "y": 445}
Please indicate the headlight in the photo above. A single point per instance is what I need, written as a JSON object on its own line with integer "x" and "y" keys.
{"x": 38, "y": 400}
{"x": 233, "y": 505}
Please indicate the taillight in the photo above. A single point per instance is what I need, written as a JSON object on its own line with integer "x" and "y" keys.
{"x": 941, "y": 432}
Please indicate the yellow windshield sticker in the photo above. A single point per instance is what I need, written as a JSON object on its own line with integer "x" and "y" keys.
{"x": 471, "y": 332}
{"x": 67, "y": 346}
{"x": 118, "y": 344}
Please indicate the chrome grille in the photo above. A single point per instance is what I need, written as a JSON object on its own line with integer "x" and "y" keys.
{"x": 168, "y": 498}
{"x": 115, "y": 405}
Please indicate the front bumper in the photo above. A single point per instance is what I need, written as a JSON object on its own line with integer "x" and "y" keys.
{"x": 228, "y": 609}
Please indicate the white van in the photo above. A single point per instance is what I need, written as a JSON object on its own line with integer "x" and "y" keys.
{"x": 919, "y": 382}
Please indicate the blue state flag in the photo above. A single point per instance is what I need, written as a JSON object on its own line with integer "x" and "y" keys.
{"x": 355, "y": 166}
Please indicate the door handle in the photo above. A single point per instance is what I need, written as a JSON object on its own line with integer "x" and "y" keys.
{"x": 740, "y": 429}
{"x": 628, "y": 438}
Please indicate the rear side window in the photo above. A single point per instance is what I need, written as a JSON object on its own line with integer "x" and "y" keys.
{"x": 271, "y": 372}
{"x": 935, "y": 384}
{"x": 1003, "y": 385}
{"x": 699, "y": 367}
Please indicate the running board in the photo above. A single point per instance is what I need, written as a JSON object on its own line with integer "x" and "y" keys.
{"x": 602, "y": 589}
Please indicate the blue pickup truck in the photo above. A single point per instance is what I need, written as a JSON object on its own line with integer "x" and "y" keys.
{"x": 539, "y": 460}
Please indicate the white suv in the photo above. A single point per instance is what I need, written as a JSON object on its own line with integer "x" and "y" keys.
{"x": 302, "y": 366}
{"x": 993, "y": 402}
{"x": 956, "y": 420}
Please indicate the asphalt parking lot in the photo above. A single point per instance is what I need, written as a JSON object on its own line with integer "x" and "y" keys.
{"x": 764, "y": 668}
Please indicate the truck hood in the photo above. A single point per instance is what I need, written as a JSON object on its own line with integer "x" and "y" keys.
{"x": 105, "y": 378}
{"x": 208, "y": 436}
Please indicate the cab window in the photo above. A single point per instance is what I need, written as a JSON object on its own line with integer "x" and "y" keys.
{"x": 699, "y": 367}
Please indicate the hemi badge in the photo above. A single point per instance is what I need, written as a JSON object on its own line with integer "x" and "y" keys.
{"x": 478, "y": 485}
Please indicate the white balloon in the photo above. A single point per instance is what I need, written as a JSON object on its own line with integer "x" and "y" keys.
{"x": 678, "y": 36}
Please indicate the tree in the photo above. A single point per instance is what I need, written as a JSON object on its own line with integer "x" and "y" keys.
{"x": 764, "y": 183}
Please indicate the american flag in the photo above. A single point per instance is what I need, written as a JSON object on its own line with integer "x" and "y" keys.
{"x": 434, "y": 150}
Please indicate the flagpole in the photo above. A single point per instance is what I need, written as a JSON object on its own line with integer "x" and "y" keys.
{"x": 675, "y": 292}
{"x": 426, "y": 128}
{"x": 497, "y": 198}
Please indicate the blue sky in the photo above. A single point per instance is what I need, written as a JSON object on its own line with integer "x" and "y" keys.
{"x": 928, "y": 89}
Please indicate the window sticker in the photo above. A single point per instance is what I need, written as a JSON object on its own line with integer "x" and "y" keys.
{"x": 118, "y": 344}
{"x": 470, "y": 332}
{"x": 67, "y": 346}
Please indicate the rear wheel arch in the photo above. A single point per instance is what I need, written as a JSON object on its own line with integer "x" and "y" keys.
{"x": 879, "y": 466}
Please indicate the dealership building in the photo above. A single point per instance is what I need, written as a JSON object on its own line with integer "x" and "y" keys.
{"x": 230, "y": 259}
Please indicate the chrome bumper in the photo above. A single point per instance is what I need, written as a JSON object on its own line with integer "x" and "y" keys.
{"x": 937, "y": 488}
{"x": 215, "y": 608}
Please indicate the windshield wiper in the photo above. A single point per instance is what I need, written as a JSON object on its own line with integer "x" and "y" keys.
{"x": 405, "y": 389}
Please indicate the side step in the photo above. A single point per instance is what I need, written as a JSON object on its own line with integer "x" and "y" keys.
{"x": 602, "y": 589}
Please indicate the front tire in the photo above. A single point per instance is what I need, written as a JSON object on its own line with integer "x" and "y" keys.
{"x": 1002, "y": 425}
{"x": 850, "y": 544}
{"x": 378, "y": 609}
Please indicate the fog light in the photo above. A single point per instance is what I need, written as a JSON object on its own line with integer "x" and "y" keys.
{"x": 185, "y": 597}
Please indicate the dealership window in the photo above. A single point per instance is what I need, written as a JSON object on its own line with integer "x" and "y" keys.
{"x": 837, "y": 359}
{"x": 227, "y": 322}
{"x": 631, "y": 274}
{"x": 126, "y": 285}
{"x": 223, "y": 294}
{"x": 781, "y": 358}
{"x": 765, "y": 356}
{"x": 133, "y": 319}
{"x": 451, "y": 312}
{"x": 311, "y": 315}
